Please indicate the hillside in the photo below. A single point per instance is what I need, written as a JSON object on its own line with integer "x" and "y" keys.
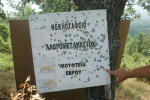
{"x": 139, "y": 25}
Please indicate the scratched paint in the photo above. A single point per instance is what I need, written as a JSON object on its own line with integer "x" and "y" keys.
{"x": 70, "y": 50}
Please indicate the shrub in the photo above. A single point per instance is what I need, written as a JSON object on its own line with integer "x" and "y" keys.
{"x": 5, "y": 47}
{"x": 137, "y": 56}
{"x": 4, "y": 32}
{"x": 5, "y": 44}
{"x": 6, "y": 61}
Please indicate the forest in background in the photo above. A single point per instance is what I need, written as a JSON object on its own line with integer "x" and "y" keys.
{"x": 137, "y": 49}
{"x": 139, "y": 25}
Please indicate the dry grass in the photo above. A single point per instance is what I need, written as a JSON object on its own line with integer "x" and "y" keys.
{"x": 7, "y": 84}
{"x": 132, "y": 89}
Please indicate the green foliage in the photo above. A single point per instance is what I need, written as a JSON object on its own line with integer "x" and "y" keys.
{"x": 23, "y": 9}
{"x": 2, "y": 14}
{"x": 4, "y": 32}
{"x": 137, "y": 52}
{"x": 145, "y": 4}
{"x": 5, "y": 47}
{"x": 5, "y": 43}
{"x": 130, "y": 13}
{"x": 137, "y": 57}
{"x": 6, "y": 61}
{"x": 139, "y": 44}
{"x": 135, "y": 61}
{"x": 49, "y": 6}
{"x": 131, "y": 46}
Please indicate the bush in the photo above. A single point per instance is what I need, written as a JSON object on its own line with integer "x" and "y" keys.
{"x": 4, "y": 32}
{"x": 6, "y": 61}
{"x": 137, "y": 56}
{"x": 5, "y": 43}
{"x": 135, "y": 61}
{"x": 5, "y": 47}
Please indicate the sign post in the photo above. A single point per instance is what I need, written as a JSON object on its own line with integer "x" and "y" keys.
{"x": 70, "y": 50}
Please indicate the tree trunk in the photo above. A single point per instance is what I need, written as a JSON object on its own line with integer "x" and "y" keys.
{"x": 115, "y": 9}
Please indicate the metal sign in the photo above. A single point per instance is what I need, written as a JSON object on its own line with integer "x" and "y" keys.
{"x": 70, "y": 50}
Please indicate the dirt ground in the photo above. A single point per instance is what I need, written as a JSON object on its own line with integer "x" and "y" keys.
{"x": 7, "y": 84}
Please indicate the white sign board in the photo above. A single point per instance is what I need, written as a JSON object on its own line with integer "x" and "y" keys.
{"x": 70, "y": 50}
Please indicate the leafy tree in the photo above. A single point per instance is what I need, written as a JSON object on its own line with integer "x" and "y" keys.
{"x": 49, "y": 6}
{"x": 4, "y": 32}
{"x": 2, "y": 14}
{"x": 23, "y": 9}
{"x": 131, "y": 45}
{"x": 130, "y": 13}
{"x": 5, "y": 47}
{"x": 57, "y": 6}
{"x": 138, "y": 44}
{"x": 145, "y": 46}
{"x": 145, "y": 4}
{"x": 5, "y": 44}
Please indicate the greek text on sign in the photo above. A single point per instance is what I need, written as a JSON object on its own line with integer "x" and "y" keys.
{"x": 70, "y": 50}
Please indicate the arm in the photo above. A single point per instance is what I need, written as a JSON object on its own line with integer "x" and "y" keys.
{"x": 122, "y": 74}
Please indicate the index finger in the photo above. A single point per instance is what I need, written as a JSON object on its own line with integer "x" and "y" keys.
{"x": 111, "y": 72}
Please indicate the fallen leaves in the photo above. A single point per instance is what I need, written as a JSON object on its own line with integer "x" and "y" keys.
{"x": 27, "y": 92}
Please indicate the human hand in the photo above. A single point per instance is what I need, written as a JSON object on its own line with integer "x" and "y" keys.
{"x": 120, "y": 74}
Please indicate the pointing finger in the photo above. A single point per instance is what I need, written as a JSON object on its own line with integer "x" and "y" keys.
{"x": 111, "y": 72}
